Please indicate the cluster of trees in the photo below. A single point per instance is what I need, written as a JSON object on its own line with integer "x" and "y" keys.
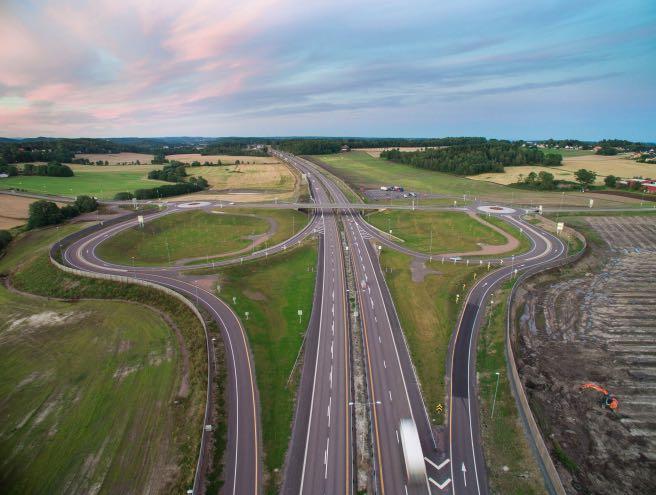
{"x": 172, "y": 172}
{"x": 471, "y": 159}
{"x": 43, "y": 213}
{"x": 544, "y": 181}
{"x": 232, "y": 149}
{"x": 606, "y": 151}
{"x": 310, "y": 146}
{"x": 195, "y": 184}
{"x": 52, "y": 169}
{"x": 585, "y": 177}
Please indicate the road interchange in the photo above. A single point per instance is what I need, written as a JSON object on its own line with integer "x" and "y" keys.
{"x": 327, "y": 451}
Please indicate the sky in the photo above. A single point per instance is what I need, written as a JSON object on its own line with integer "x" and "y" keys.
{"x": 497, "y": 68}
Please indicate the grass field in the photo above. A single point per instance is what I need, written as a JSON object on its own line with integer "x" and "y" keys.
{"x": 182, "y": 235}
{"x": 94, "y": 406}
{"x": 428, "y": 317}
{"x": 63, "y": 364}
{"x": 272, "y": 291}
{"x": 199, "y": 234}
{"x": 451, "y": 231}
{"x": 117, "y": 158}
{"x": 102, "y": 182}
{"x": 504, "y": 440}
{"x": 361, "y": 170}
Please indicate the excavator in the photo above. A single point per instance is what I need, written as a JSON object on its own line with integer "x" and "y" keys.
{"x": 608, "y": 400}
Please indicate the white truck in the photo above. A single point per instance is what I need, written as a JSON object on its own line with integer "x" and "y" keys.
{"x": 413, "y": 457}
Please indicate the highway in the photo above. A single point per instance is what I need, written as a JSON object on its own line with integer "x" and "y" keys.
{"x": 393, "y": 388}
{"x": 320, "y": 457}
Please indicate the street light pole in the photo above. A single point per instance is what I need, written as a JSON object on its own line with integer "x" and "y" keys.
{"x": 494, "y": 402}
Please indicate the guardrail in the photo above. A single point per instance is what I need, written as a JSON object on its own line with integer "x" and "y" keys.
{"x": 130, "y": 280}
{"x": 551, "y": 477}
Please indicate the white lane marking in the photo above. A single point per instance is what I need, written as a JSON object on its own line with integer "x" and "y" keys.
{"x": 384, "y": 364}
{"x": 326, "y": 458}
{"x": 331, "y": 376}
{"x": 379, "y": 341}
{"x": 372, "y": 302}
{"x": 464, "y": 474}
{"x": 333, "y": 295}
{"x": 375, "y": 318}
{"x": 443, "y": 485}
{"x": 397, "y": 437}
{"x": 442, "y": 464}
{"x": 390, "y": 395}
{"x": 333, "y": 310}
{"x": 331, "y": 349}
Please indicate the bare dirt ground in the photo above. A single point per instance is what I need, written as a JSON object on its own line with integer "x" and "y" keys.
{"x": 597, "y": 325}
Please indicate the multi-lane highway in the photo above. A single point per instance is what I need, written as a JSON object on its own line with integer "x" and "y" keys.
{"x": 321, "y": 453}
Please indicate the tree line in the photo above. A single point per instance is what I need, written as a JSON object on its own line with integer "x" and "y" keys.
{"x": 52, "y": 169}
{"x": 472, "y": 159}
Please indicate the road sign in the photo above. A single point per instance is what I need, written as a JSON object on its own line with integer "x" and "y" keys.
{"x": 300, "y": 315}
{"x": 246, "y": 313}
{"x": 591, "y": 203}
{"x": 439, "y": 408}
{"x": 140, "y": 220}
{"x": 559, "y": 227}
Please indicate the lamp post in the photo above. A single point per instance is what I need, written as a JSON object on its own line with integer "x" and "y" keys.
{"x": 494, "y": 402}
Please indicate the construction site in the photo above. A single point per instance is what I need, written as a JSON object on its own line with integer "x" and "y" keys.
{"x": 586, "y": 353}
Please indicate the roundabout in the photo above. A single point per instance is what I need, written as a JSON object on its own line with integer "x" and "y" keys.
{"x": 496, "y": 210}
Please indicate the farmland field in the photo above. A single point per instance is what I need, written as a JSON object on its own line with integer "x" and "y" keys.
{"x": 13, "y": 210}
{"x": 617, "y": 165}
{"x": 117, "y": 158}
{"x": 361, "y": 170}
{"x": 100, "y": 181}
{"x": 225, "y": 159}
{"x": 269, "y": 177}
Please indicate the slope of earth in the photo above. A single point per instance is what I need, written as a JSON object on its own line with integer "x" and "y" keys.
{"x": 597, "y": 325}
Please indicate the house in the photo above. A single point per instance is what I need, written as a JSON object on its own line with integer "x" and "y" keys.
{"x": 345, "y": 148}
{"x": 650, "y": 187}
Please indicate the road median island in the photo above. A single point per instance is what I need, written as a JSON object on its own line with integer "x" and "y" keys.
{"x": 29, "y": 269}
{"x": 272, "y": 291}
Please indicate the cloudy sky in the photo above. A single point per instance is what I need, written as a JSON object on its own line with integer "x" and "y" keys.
{"x": 499, "y": 68}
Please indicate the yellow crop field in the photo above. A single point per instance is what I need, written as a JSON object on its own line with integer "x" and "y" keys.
{"x": 117, "y": 158}
{"x": 618, "y": 165}
{"x": 225, "y": 159}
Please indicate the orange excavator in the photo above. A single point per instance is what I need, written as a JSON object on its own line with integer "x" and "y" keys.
{"x": 608, "y": 400}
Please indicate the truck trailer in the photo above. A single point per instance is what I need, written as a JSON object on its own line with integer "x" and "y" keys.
{"x": 413, "y": 457}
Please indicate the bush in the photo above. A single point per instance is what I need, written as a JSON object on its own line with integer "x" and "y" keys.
{"x": 43, "y": 213}
{"x": 10, "y": 170}
{"x": 610, "y": 181}
{"x": 69, "y": 211}
{"x": 168, "y": 190}
{"x": 86, "y": 204}
{"x": 5, "y": 239}
{"x": 55, "y": 169}
{"x": 123, "y": 196}
{"x": 553, "y": 160}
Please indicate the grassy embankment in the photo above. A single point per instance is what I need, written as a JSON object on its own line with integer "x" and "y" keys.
{"x": 272, "y": 291}
{"x": 102, "y": 182}
{"x": 101, "y": 398}
{"x": 511, "y": 465}
{"x": 428, "y": 317}
{"x": 361, "y": 170}
{"x": 196, "y": 234}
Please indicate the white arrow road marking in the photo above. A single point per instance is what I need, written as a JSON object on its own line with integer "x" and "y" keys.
{"x": 464, "y": 474}
{"x": 442, "y": 464}
{"x": 443, "y": 485}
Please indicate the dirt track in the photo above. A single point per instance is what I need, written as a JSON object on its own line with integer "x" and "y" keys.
{"x": 597, "y": 327}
